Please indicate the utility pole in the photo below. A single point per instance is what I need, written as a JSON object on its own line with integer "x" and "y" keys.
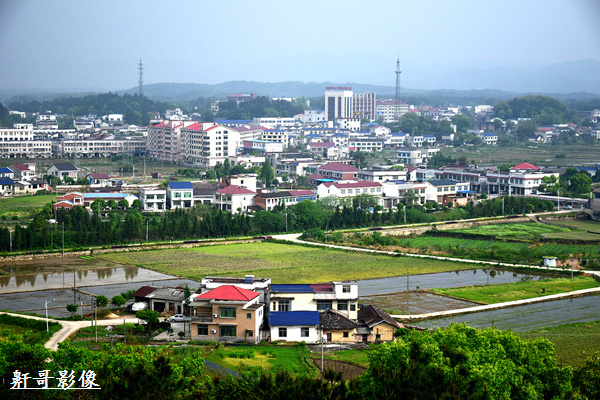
{"x": 63, "y": 240}
{"x": 147, "y": 231}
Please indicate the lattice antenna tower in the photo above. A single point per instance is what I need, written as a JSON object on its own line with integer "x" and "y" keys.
{"x": 141, "y": 81}
{"x": 398, "y": 72}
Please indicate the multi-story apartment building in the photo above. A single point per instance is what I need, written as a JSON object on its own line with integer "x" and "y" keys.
{"x": 26, "y": 149}
{"x": 363, "y": 105}
{"x": 209, "y": 144}
{"x": 367, "y": 144}
{"x": 390, "y": 110}
{"x": 165, "y": 141}
{"x": 100, "y": 148}
{"x": 351, "y": 189}
{"x": 522, "y": 179}
{"x": 19, "y": 132}
{"x": 381, "y": 175}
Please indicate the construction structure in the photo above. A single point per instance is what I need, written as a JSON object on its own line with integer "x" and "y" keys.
{"x": 141, "y": 81}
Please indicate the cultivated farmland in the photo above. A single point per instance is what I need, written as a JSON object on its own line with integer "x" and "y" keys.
{"x": 282, "y": 263}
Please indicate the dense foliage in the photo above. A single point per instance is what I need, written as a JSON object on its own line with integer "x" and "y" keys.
{"x": 128, "y": 226}
{"x": 543, "y": 110}
{"x": 135, "y": 109}
{"x": 458, "y": 362}
{"x": 261, "y": 107}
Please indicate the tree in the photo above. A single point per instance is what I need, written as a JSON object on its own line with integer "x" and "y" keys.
{"x": 226, "y": 167}
{"x": 136, "y": 204}
{"x": 98, "y": 205}
{"x": 149, "y": 316}
{"x": 464, "y": 362}
{"x": 72, "y": 308}
{"x": 550, "y": 184}
{"x": 462, "y": 122}
{"x": 302, "y": 180}
{"x": 112, "y": 204}
{"x": 360, "y": 159}
{"x": 118, "y": 300}
{"x": 101, "y": 301}
{"x": 587, "y": 378}
{"x": 267, "y": 173}
{"x": 526, "y": 128}
{"x": 124, "y": 204}
{"x": 580, "y": 184}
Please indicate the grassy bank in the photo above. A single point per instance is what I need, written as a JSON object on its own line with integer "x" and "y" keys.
{"x": 32, "y": 331}
{"x": 283, "y": 263}
{"x": 491, "y": 294}
{"x": 574, "y": 342}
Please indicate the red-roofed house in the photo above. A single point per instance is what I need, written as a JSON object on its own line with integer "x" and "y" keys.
{"x": 209, "y": 144}
{"x": 23, "y": 172}
{"x": 524, "y": 167}
{"x": 69, "y": 200}
{"x": 227, "y": 313}
{"x": 338, "y": 171}
{"x": 99, "y": 179}
{"x": 351, "y": 189}
{"x": 234, "y": 199}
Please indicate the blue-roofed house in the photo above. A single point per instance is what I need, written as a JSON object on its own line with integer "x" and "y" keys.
{"x": 295, "y": 326}
{"x": 6, "y": 172}
{"x": 6, "y": 186}
{"x": 339, "y": 296}
{"x": 488, "y": 138}
{"x": 180, "y": 195}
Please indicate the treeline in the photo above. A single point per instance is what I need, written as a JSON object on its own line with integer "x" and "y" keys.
{"x": 458, "y": 362}
{"x": 543, "y": 110}
{"x": 261, "y": 107}
{"x": 128, "y": 226}
{"x": 136, "y": 109}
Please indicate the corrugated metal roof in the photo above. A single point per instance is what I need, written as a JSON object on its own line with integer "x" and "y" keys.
{"x": 180, "y": 185}
{"x": 294, "y": 318}
{"x": 291, "y": 288}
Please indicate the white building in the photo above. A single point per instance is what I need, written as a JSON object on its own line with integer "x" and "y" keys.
{"x": 390, "y": 110}
{"x": 417, "y": 156}
{"x": 234, "y": 199}
{"x": 153, "y": 199}
{"x": 523, "y": 179}
{"x": 338, "y": 103}
{"x": 209, "y": 144}
{"x": 180, "y": 195}
{"x": 350, "y": 189}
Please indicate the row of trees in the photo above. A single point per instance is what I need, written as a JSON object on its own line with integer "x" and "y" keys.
{"x": 573, "y": 183}
{"x": 262, "y": 106}
{"x": 458, "y": 362}
{"x": 130, "y": 225}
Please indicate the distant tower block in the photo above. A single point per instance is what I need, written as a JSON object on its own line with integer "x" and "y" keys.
{"x": 141, "y": 82}
{"x": 398, "y": 72}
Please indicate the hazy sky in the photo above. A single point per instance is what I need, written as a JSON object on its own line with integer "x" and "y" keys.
{"x": 97, "y": 44}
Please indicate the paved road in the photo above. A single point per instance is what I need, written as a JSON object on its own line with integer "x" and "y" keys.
{"x": 70, "y": 327}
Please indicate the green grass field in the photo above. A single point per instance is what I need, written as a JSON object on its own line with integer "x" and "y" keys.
{"x": 283, "y": 263}
{"x": 491, "y": 294}
{"x": 574, "y": 342}
{"x": 357, "y": 357}
{"x": 268, "y": 358}
{"x": 22, "y": 206}
{"x": 522, "y": 230}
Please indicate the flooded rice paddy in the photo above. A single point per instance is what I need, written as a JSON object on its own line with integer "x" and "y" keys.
{"x": 415, "y": 303}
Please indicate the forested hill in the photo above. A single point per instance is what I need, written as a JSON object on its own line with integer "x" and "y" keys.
{"x": 136, "y": 109}
{"x": 543, "y": 110}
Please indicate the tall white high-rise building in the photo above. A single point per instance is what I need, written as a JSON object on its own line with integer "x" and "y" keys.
{"x": 338, "y": 103}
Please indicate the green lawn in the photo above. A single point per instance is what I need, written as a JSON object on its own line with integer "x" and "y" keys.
{"x": 574, "y": 342}
{"x": 357, "y": 357}
{"x": 22, "y": 205}
{"x": 283, "y": 263}
{"x": 491, "y": 294}
{"x": 268, "y": 358}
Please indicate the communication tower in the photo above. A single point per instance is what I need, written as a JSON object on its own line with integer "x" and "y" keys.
{"x": 141, "y": 81}
{"x": 398, "y": 72}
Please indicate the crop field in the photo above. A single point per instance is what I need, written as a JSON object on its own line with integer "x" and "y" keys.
{"x": 283, "y": 263}
{"x": 574, "y": 343}
{"x": 492, "y": 294}
{"x": 521, "y": 230}
{"x": 521, "y": 251}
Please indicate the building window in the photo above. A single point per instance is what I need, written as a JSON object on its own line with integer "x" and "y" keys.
{"x": 285, "y": 305}
{"x": 202, "y": 330}
{"x": 227, "y": 312}
{"x": 304, "y": 331}
{"x": 248, "y": 315}
{"x": 346, "y": 289}
{"x": 342, "y": 305}
{"x": 250, "y": 333}
{"x": 346, "y": 334}
{"x": 378, "y": 336}
{"x": 282, "y": 332}
{"x": 228, "y": 331}
{"x": 352, "y": 307}
{"x": 323, "y": 305}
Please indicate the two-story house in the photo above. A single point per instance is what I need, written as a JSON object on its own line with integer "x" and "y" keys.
{"x": 227, "y": 313}
{"x": 180, "y": 195}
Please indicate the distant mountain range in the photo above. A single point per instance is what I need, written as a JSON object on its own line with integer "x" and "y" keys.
{"x": 568, "y": 80}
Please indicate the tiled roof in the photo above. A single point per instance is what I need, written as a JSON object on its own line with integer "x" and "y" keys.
{"x": 5, "y": 170}
{"x": 331, "y": 320}
{"x": 315, "y": 176}
{"x": 170, "y": 294}
{"x": 65, "y": 167}
{"x": 301, "y": 192}
{"x": 229, "y": 292}
{"x": 294, "y": 318}
{"x": 233, "y": 189}
{"x": 442, "y": 182}
{"x": 6, "y": 181}
{"x": 274, "y": 195}
{"x": 100, "y": 176}
{"x": 340, "y": 167}
{"x": 525, "y": 166}
{"x": 144, "y": 291}
{"x": 371, "y": 316}
{"x": 21, "y": 167}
